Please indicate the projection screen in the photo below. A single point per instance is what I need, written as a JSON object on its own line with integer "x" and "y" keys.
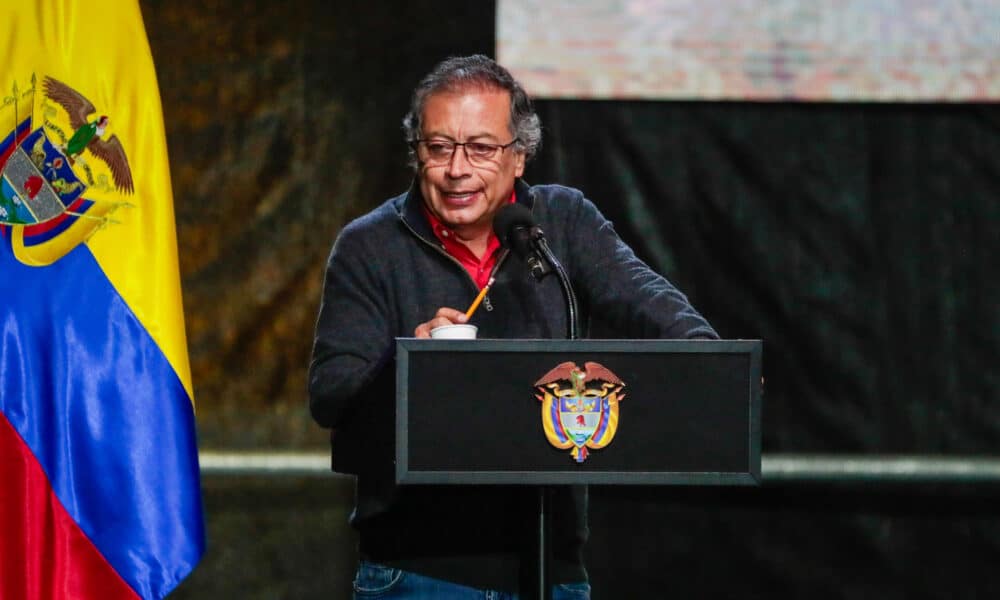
{"x": 841, "y": 50}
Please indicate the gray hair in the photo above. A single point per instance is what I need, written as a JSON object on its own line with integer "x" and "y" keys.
{"x": 462, "y": 72}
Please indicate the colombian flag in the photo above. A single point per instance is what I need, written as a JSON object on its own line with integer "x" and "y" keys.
{"x": 99, "y": 482}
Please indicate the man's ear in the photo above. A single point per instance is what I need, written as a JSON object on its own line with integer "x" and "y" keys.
{"x": 519, "y": 164}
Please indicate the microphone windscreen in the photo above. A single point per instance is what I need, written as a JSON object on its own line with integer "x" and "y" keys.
{"x": 509, "y": 218}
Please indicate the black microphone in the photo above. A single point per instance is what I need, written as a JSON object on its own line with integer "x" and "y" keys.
{"x": 516, "y": 230}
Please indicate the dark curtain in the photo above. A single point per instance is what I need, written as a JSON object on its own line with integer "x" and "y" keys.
{"x": 859, "y": 241}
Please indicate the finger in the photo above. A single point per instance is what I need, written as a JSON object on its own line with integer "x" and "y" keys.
{"x": 451, "y": 314}
{"x": 424, "y": 329}
{"x": 444, "y": 316}
{"x": 439, "y": 322}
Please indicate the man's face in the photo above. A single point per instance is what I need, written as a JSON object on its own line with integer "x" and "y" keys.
{"x": 463, "y": 195}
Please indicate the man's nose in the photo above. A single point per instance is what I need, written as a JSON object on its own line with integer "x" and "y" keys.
{"x": 459, "y": 165}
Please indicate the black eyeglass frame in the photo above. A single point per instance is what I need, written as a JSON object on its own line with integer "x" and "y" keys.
{"x": 414, "y": 144}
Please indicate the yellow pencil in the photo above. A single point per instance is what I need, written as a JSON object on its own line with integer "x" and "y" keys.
{"x": 479, "y": 298}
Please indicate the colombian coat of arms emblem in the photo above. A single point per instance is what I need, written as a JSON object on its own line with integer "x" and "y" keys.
{"x": 580, "y": 407}
{"x": 49, "y": 174}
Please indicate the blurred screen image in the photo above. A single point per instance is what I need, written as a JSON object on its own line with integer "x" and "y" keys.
{"x": 844, "y": 50}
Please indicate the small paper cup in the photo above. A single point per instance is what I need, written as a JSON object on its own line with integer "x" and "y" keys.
{"x": 455, "y": 332}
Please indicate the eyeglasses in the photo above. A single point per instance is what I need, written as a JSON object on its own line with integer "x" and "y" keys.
{"x": 437, "y": 152}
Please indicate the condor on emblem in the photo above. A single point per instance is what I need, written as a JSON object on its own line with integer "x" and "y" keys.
{"x": 580, "y": 407}
{"x": 49, "y": 178}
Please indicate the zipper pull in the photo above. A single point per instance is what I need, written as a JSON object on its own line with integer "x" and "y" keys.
{"x": 487, "y": 304}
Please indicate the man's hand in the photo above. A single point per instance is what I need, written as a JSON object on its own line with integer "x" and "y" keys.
{"x": 444, "y": 316}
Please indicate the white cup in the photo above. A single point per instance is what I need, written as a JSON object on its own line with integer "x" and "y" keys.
{"x": 454, "y": 332}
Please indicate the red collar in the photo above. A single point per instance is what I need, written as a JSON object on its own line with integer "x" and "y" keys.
{"x": 478, "y": 269}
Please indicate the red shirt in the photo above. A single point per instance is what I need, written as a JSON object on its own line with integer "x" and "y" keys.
{"x": 479, "y": 269}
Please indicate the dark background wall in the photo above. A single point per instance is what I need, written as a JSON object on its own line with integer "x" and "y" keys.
{"x": 857, "y": 240}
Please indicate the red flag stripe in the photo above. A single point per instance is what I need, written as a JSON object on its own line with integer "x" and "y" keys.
{"x": 43, "y": 553}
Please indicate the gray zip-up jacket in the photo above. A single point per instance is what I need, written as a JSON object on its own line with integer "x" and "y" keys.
{"x": 388, "y": 273}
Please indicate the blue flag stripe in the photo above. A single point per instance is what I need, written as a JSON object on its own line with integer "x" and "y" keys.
{"x": 105, "y": 414}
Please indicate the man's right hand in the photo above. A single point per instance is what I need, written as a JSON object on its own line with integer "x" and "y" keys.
{"x": 444, "y": 316}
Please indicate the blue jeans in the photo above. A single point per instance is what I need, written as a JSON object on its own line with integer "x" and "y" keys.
{"x": 386, "y": 583}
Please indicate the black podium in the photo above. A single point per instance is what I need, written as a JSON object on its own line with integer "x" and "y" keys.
{"x": 561, "y": 412}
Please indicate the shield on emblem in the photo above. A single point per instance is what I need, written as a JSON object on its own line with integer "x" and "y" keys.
{"x": 38, "y": 184}
{"x": 580, "y": 417}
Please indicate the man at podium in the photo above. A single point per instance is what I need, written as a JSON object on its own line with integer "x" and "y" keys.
{"x": 415, "y": 263}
